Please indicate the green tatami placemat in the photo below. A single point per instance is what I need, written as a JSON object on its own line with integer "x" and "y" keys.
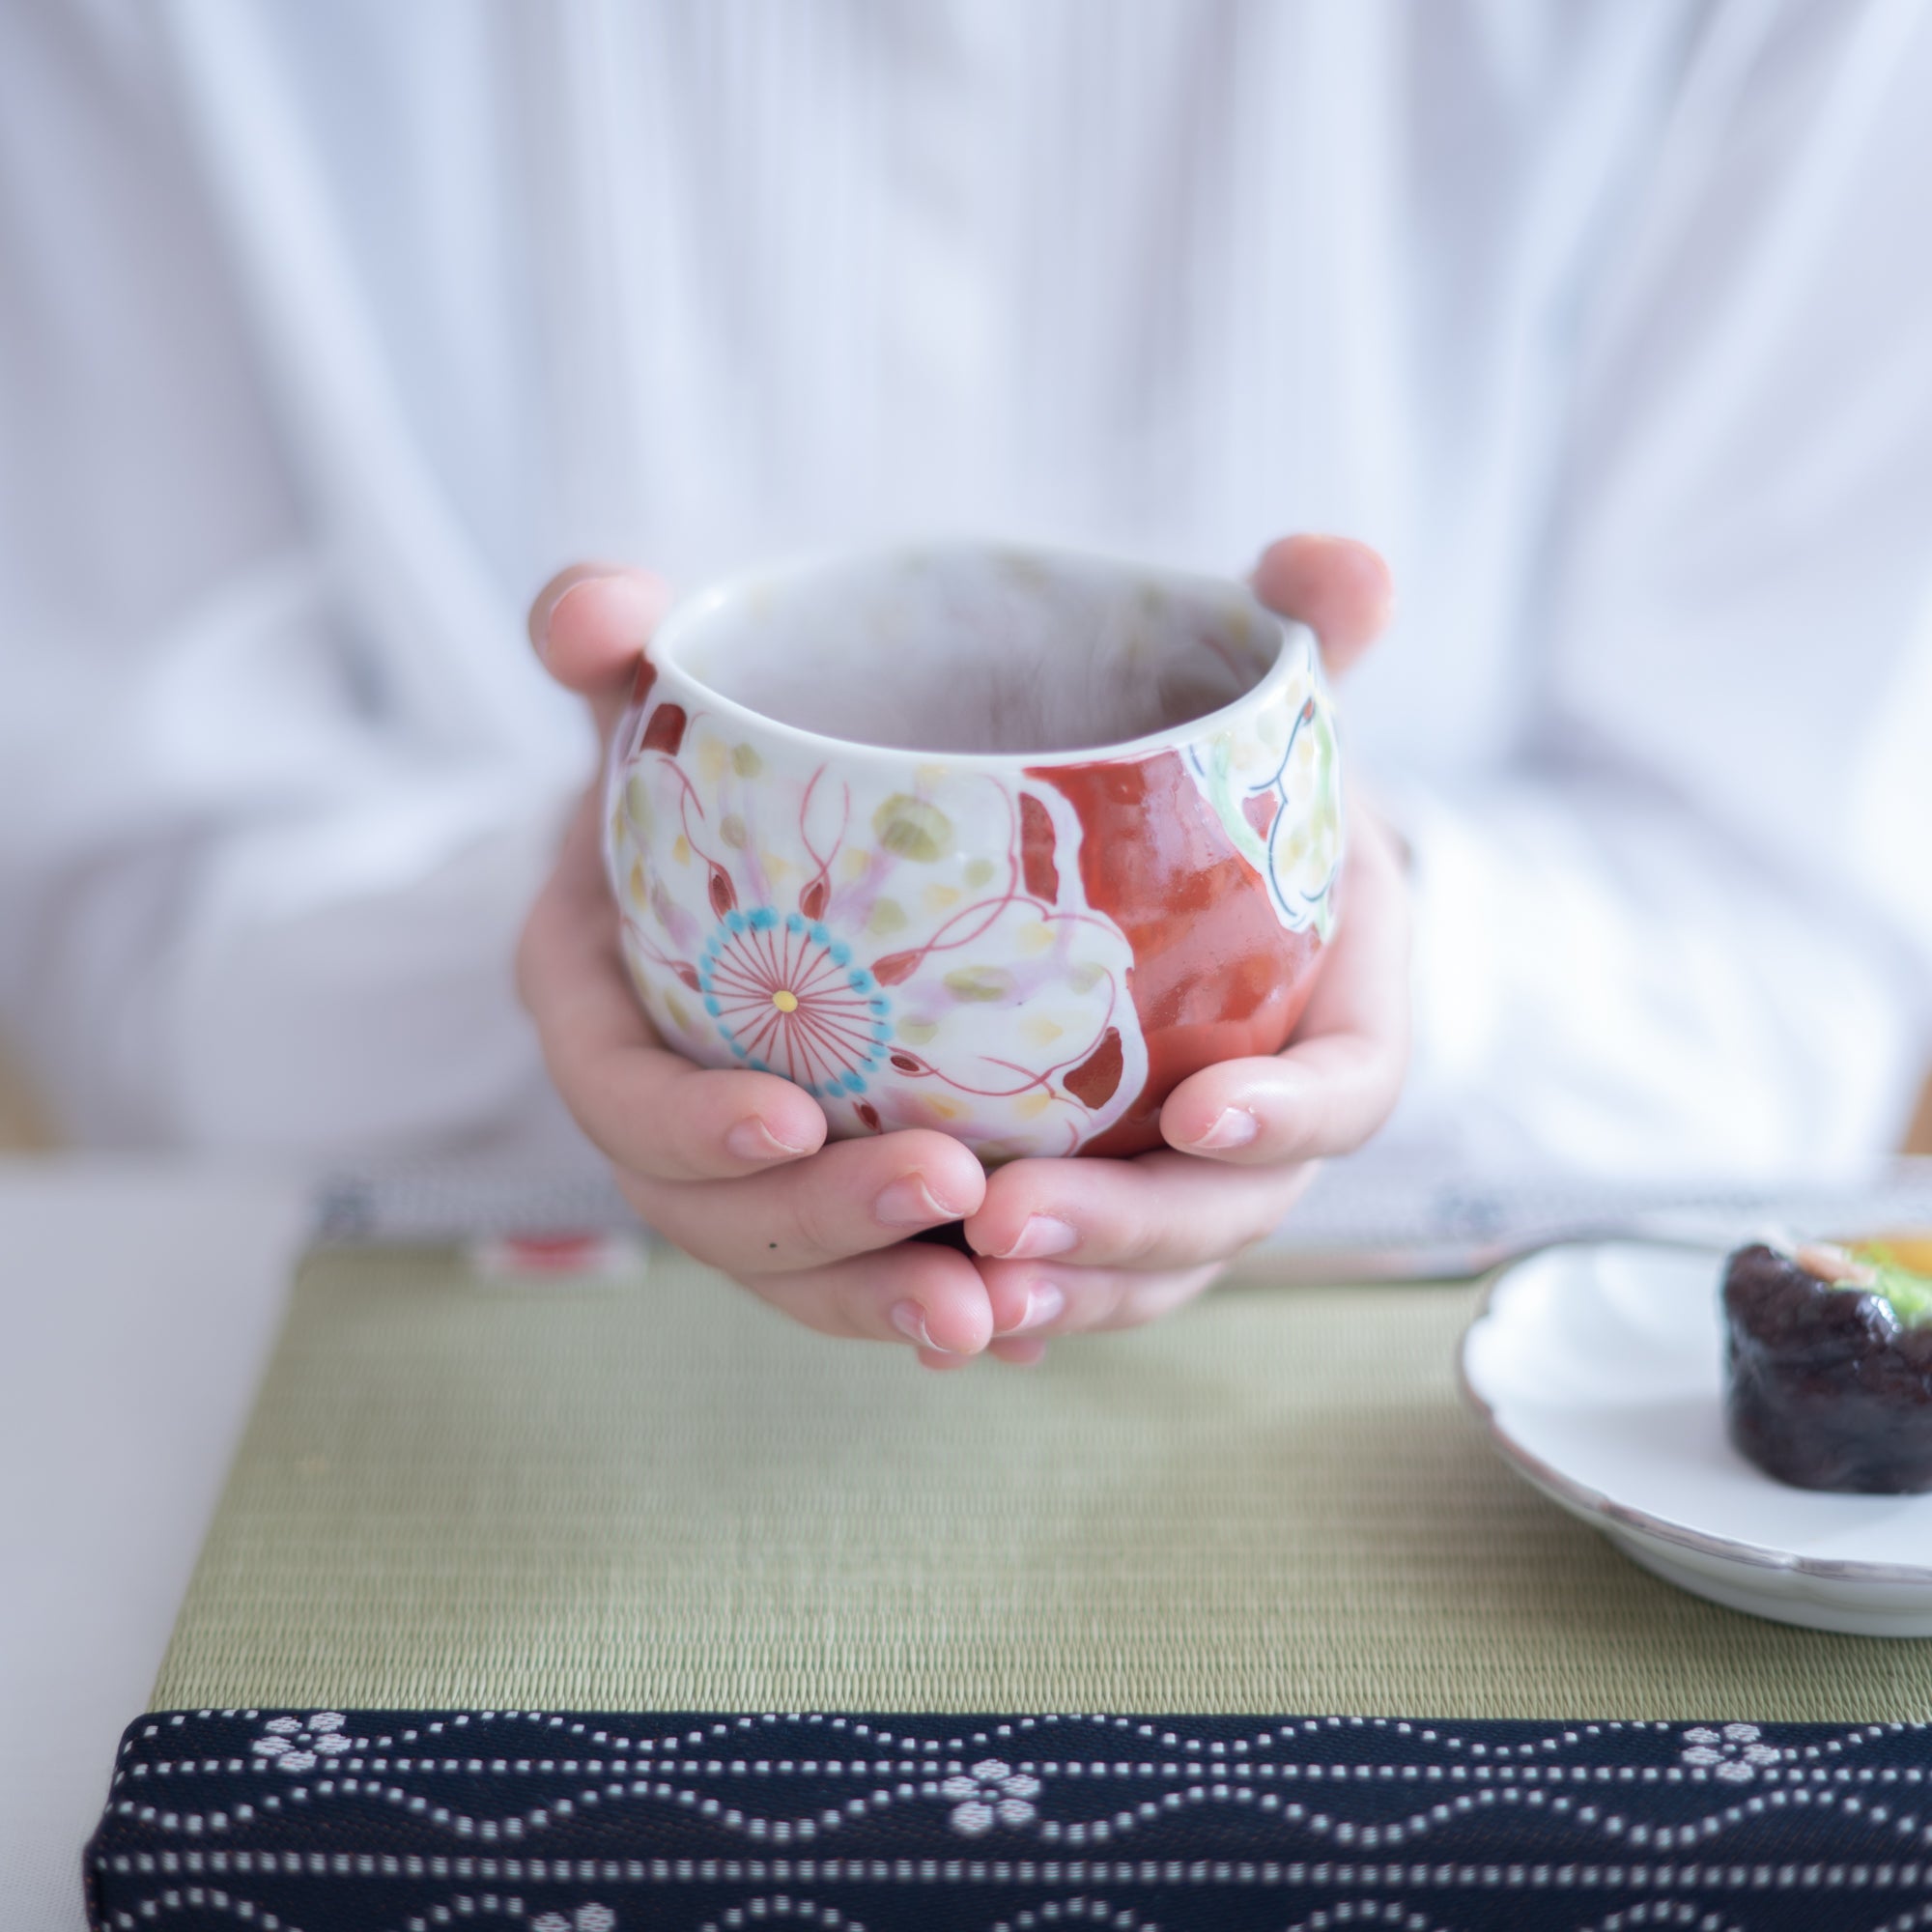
{"x": 663, "y": 1498}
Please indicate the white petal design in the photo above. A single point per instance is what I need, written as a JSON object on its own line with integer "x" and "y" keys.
{"x": 914, "y": 879}
{"x": 973, "y": 1819}
{"x": 285, "y": 1725}
{"x": 961, "y": 1787}
{"x": 1703, "y": 1754}
{"x": 1761, "y": 1754}
{"x": 269, "y": 1747}
{"x": 1734, "y": 1772}
{"x": 990, "y": 1770}
{"x": 292, "y": 1761}
{"x": 595, "y": 1919}
{"x": 1014, "y": 1811}
{"x": 334, "y": 1720}
{"x": 1742, "y": 1734}
{"x": 1020, "y": 1786}
{"x": 334, "y": 1744}
{"x": 550, "y": 1922}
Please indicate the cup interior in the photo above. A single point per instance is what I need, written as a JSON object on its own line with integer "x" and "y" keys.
{"x": 971, "y": 650}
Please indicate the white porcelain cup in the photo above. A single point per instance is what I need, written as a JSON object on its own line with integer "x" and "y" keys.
{"x": 998, "y": 841}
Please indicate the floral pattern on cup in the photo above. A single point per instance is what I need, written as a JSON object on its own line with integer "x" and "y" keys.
{"x": 848, "y": 936}
{"x": 1027, "y": 950}
{"x": 1275, "y": 783}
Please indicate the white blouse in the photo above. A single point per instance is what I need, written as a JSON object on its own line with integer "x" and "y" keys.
{"x": 328, "y": 330}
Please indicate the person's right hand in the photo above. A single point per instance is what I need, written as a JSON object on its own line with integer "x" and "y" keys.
{"x": 731, "y": 1166}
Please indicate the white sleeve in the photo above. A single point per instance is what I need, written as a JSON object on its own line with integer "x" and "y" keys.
{"x": 1604, "y": 983}
{"x": 1695, "y": 929}
{"x": 244, "y": 901}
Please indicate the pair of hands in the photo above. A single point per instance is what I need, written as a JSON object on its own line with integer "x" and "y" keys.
{"x": 734, "y": 1166}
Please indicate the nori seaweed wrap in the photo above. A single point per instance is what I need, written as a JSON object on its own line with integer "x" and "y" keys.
{"x": 1827, "y": 1366}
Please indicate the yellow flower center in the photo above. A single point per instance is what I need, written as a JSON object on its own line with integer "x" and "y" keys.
{"x": 785, "y": 1002}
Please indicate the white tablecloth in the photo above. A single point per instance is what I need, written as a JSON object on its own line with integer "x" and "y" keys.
{"x": 137, "y": 1303}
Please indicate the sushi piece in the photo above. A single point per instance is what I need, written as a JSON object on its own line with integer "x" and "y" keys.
{"x": 1828, "y": 1363}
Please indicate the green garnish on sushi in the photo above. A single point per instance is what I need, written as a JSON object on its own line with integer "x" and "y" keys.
{"x": 1909, "y": 1291}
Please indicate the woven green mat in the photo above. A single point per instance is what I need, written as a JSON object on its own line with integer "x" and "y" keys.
{"x": 664, "y": 1497}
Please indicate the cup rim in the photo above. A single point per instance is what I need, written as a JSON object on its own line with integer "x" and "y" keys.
{"x": 708, "y": 599}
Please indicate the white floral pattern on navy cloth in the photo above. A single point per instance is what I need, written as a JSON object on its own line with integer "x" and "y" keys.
{"x": 1735, "y": 1753}
{"x": 429, "y": 1818}
{"x": 992, "y": 1792}
{"x": 290, "y": 1745}
{"x": 585, "y": 1918}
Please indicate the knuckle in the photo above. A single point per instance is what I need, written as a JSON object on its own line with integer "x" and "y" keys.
{"x": 809, "y": 1216}
{"x": 1141, "y": 1236}
{"x": 1113, "y": 1305}
{"x": 646, "y": 1200}
{"x": 1294, "y": 1139}
{"x": 1252, "y": 1230}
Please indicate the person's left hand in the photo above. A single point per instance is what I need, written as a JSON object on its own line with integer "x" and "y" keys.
{"x": 1066, "y": 1245}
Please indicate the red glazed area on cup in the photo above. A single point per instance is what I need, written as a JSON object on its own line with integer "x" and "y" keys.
{"x": 1001, "y": 843}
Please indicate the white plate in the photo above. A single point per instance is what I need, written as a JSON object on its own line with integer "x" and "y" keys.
{"x": 1598, "y": 1369}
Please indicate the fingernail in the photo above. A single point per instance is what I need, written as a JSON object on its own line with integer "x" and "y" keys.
{"x": 1043, "y": 1304}
{"x": 908, "y": 1203}
{"x": 547, "y": 616}
{"x": 1236, "y": 1127}
{"x": 909, "y": 1319}
{"x": 1043, "y": 1235}
{"x": 752, "y": 1140}
{"x": 631, "y": 605}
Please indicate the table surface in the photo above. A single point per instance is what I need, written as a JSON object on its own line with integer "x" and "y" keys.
{"x": 650, "y": 1492}
{"x": 138, "y": 1302}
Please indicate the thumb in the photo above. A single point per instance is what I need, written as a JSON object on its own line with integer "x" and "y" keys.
{"x": 1340, "y": 589}
{"x": 590, "y": 624}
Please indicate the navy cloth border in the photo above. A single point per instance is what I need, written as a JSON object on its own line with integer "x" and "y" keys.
{"x": 400, "y": 1821}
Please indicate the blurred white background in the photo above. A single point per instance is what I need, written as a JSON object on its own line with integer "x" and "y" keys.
{"x": 326, "y": 333}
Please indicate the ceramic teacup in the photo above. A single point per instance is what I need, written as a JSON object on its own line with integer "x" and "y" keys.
{"x": 1001, "y": 841}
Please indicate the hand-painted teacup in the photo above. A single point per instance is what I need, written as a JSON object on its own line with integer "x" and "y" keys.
{"x": 1001, "y": 841}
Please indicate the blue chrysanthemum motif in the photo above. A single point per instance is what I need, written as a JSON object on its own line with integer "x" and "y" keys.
{"x": 788, "y": 999}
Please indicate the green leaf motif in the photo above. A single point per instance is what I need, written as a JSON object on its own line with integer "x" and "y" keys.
{"x": 913, "y": 829}
{"x": 985, "y": 985}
